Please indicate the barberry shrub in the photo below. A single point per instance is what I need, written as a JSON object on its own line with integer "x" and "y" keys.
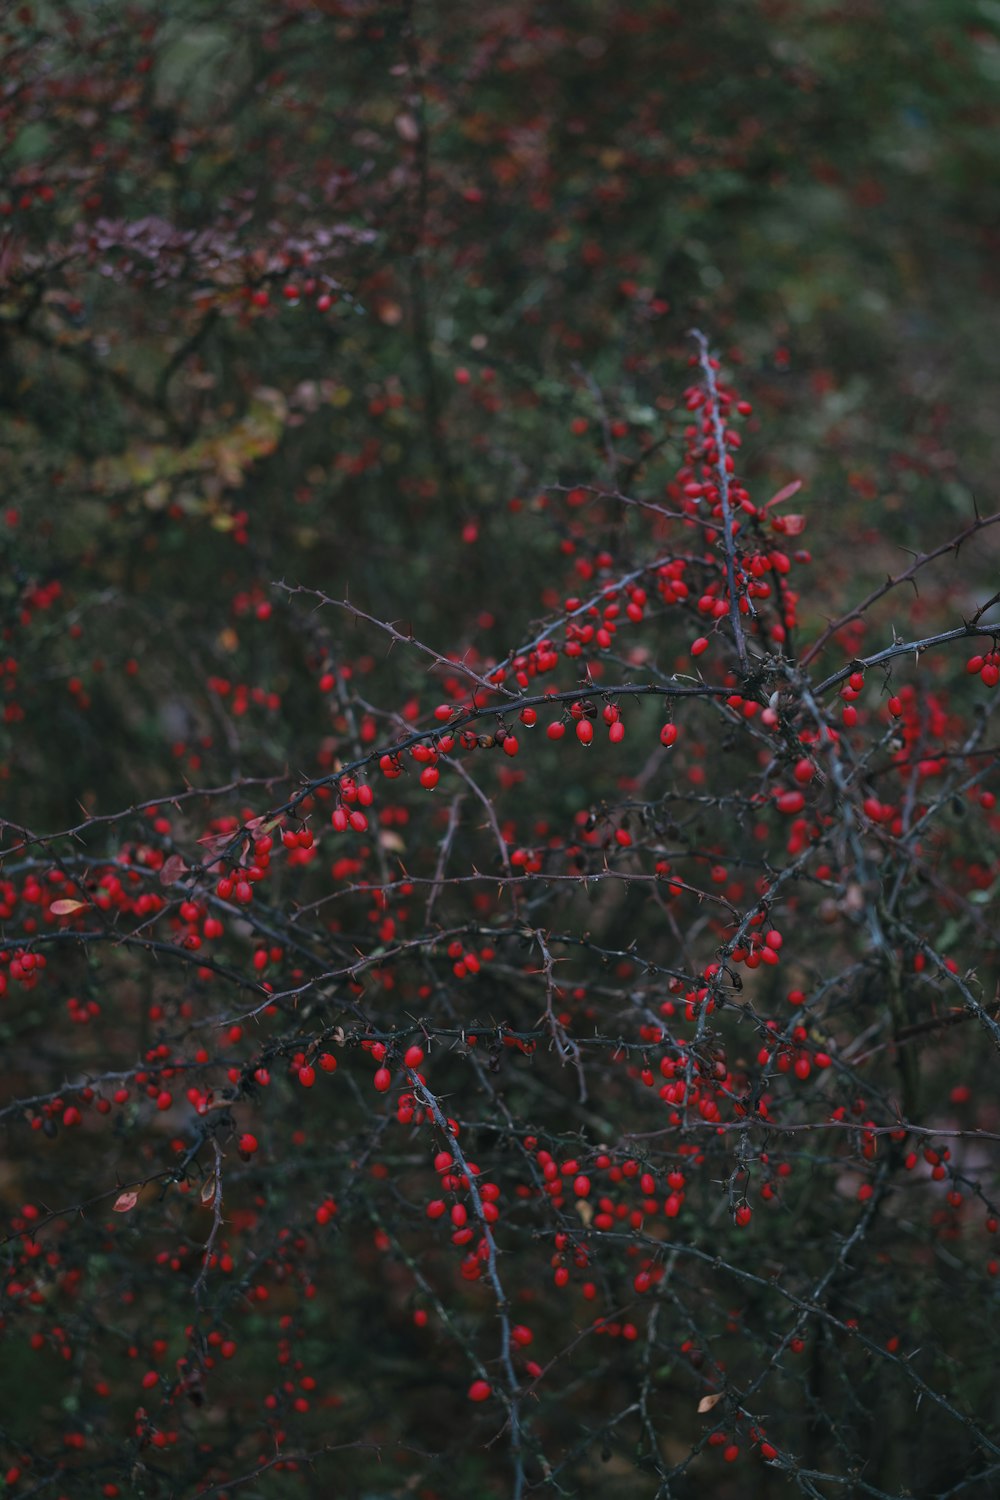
{"x": 498, "y": 974}
{"x": 592, "y": 1061}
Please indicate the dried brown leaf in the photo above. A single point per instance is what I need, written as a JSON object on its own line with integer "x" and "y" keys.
{"x": 173, "y": 870}
{"x": 785, "y": 493}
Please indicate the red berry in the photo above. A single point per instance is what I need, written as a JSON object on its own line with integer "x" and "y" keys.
{"x": 480, "y": 1390}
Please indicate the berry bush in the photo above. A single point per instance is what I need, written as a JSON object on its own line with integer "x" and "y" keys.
{"x": 498, "y": 983}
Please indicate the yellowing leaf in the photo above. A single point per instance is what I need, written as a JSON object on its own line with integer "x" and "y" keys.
{"x": 222, "y": 455}
{"x": 67, "y": 908}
